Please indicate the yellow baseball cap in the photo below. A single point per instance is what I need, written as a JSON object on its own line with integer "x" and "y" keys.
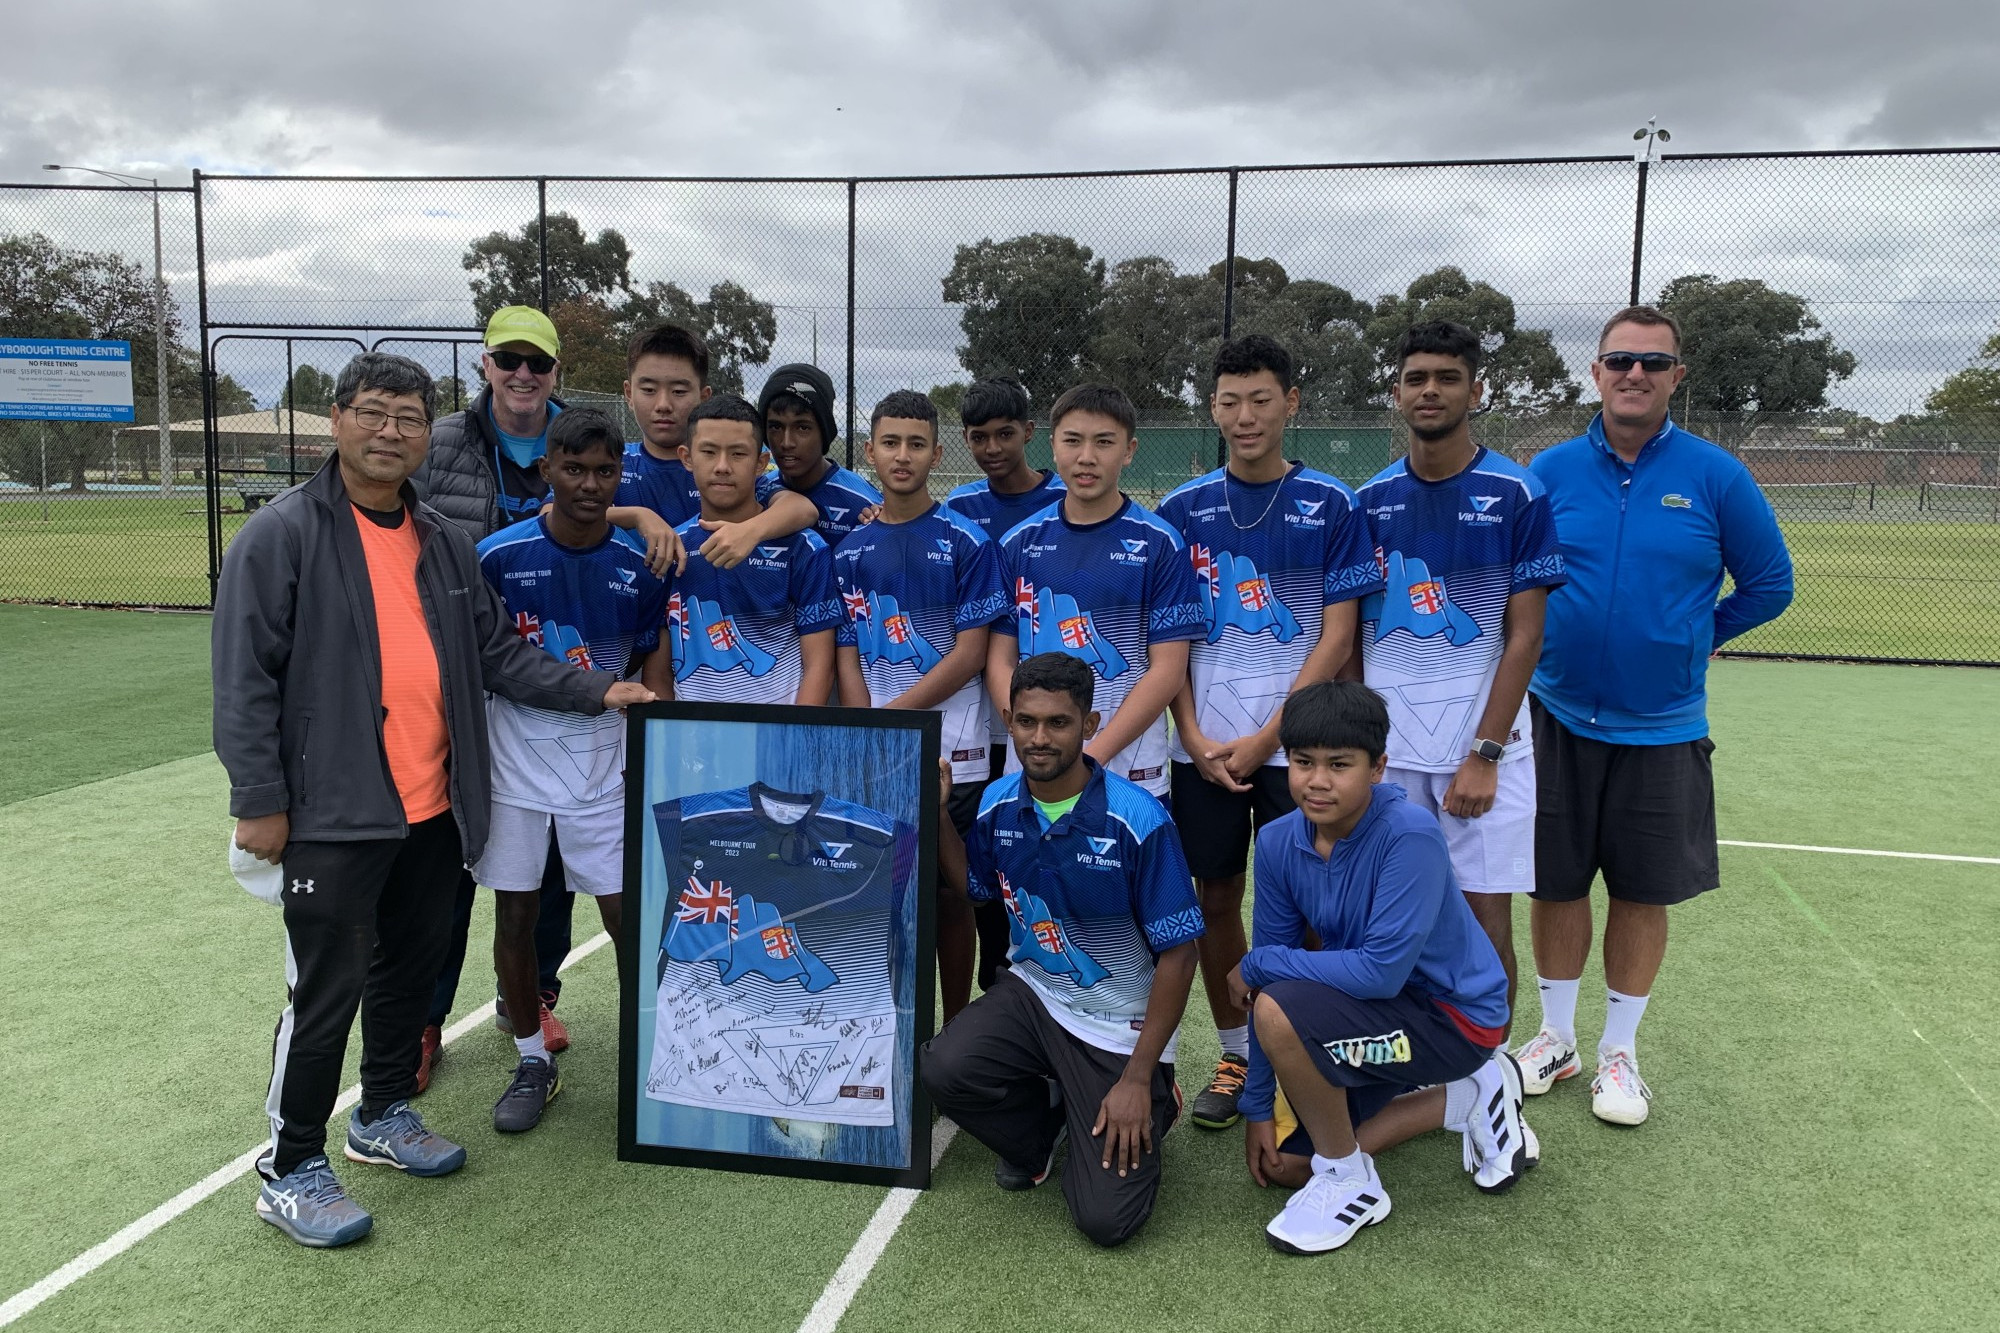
{"x": 522, "y": 324}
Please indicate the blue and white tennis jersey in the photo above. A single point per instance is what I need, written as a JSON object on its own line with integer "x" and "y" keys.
{"x": 840, "y": 496}
{"x": 1270, "y": 558}
{"x": 598, "y": 608}
{"x": 907, "y": 590}
{"x": 998, "y": 513}
{"x": 735, "y": 632}
{"x": 1104, "y": 592}
{"x": 775, "y": 995}
{"x": 1092, "y": 900}
{"x": 665, "y": 486}
{"x": 1453, "y": 552}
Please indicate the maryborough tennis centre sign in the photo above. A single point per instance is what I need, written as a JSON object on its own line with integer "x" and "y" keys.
{"x": 57, "y": 379}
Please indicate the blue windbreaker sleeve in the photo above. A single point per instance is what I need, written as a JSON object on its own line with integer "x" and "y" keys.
{"x": 1275, "y": 921}
{"x": 1415, "y": 876}
{"x": 1753, "y": 551}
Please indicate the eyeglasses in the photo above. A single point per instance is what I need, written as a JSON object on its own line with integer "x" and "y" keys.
{"x": 372, "y": 419}
{"x": 513, "y": 361}
{"x": 1653, "y": 363}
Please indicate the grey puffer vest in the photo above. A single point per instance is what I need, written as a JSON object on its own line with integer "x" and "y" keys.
{"x": 456, "y": 478}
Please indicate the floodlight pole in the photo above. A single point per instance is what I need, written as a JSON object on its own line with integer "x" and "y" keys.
{"x": 159, "y": 324}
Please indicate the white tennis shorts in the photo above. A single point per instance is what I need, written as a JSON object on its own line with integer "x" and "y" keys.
{"x": 1494, "y": 853}
{"x": 517, "y": 849}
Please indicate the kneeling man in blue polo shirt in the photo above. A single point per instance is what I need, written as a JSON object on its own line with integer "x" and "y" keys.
{"x": 1076, "y": 1039}
{"x": 1403, "y": 992}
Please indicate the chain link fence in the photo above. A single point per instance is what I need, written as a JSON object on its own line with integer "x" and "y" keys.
{"x": 1842, "y": 310}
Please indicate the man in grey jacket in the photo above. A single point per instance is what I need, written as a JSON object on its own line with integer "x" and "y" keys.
{"x": 353, "y": 642}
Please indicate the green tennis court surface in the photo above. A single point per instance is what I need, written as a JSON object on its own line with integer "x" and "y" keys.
{"x": 1824, "y": 1150}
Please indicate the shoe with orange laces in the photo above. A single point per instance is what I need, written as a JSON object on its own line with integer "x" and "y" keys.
{"x": 1215, "y": 1105}
{"x": 433, "y": 1055}
{"x": 1618, "y": 1095}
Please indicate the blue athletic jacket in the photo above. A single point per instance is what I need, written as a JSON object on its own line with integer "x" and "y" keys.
{"x": 1625, "y": 651}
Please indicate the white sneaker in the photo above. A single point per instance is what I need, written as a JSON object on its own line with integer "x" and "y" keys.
{"x": 1328, "y": 1211}
{"x": 1534, "y": 1146}
{"x": 1618, "y": 1095}
{"x": 1496, "y": 1146}
{"x": 1545, "y": 1061}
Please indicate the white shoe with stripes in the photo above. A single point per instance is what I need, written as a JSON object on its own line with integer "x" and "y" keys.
{"x": 1328, "y": 1211}
{"x": 1496, "y": 1139}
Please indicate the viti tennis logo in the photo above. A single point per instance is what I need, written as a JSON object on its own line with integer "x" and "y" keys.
{"x": 1310, "y": 508}
{"x": 836, "y": 854}
{"x": 1102, "y": 846}
{"x": 1099, "y": 856}
{"x": 1135, "y": 544}
{"x": 1484, "y": 502}
{"x": 1482, "y": 506}
{"x": 627, "y": 574}
{"x": 1133, "y": 552}
{"x": 770, "y": 552}
{"x": 836, "y": 514}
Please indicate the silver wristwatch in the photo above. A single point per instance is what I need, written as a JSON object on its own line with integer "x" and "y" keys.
{"x": 1490, "y": 751}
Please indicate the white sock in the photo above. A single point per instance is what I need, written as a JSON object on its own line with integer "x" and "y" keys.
{"x": 1621, "y": 1021}
{"x": 1559, "y": 1006}
{"x": 1236, "y": 1041}
{"x": 1354, "y": 1166}
{"x": 532, "y": 1046}
{"x": 1461, "y": 1099}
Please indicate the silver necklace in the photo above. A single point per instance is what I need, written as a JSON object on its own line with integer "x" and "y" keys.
{"x": 1258, "y": 522}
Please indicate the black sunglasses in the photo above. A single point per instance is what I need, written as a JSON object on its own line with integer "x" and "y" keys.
{"x": 512, "y": 361}
{"x": 1618, "y": 363}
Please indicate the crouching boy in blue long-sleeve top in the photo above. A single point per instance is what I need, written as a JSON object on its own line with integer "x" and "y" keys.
{"x": 1394, "y": 1026}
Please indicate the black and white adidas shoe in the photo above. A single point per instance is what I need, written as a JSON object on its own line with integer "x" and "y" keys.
{"x": 1328, "y": 1211}
{"x": 1496, "y": 1138}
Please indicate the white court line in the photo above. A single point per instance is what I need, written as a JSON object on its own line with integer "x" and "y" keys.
{"x": 131, "y": 1234}
{"x": 1863, "y": 851}
{"x": 846, "y": 1282}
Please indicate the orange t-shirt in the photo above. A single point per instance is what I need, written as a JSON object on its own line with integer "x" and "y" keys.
{"x": 413, "y": 729}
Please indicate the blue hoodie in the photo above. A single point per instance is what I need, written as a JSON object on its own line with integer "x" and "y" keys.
{"x": 1388, "y": 912}
{"x": 1625, "y": 650}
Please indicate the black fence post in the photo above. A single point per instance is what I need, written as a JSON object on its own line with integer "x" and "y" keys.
{"x": 542, "y": 235}
{"x": 1228, "y": 297}
{"x": 851, "y": 186}
{"x": 211, "y": 492}
{"x": 1639, "y": 232}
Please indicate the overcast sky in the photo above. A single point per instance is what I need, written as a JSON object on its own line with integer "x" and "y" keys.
{"x": 881, "y": 87}
{"x": 875, "y": 87}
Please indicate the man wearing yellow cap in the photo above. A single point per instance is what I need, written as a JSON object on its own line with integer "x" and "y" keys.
{"x": 482, "y": 474}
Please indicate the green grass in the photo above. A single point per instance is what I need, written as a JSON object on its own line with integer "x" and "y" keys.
{"x": 1813, "y": 1162}
{"x": 1881, "y": 589}
{"x": 131, "y": 550}
{"x": 96, "y": 693}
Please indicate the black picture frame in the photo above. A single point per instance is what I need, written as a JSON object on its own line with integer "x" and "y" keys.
{"x": 786, "y": 737}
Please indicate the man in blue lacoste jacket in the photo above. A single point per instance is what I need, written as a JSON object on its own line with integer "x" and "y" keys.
{"x": 1649, "y": 518}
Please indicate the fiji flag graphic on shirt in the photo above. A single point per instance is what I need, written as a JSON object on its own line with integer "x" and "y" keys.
{"x": 703, "y": 636}
{"x": 1039, "y": 938}
{"x": 1053, "y": 623}
{"x": 1418, "y": 602}
{"x": 740, "y": 936}
{"x": 1238, "y": 594}
{"x": 883, "y": 631}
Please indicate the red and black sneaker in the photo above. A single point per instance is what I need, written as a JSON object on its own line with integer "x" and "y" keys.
{"x": 433, "y": 1055}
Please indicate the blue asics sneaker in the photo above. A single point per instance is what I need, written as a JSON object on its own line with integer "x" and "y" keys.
{"x": 399, "y": 1139}
{"x": 310, "y": 1206}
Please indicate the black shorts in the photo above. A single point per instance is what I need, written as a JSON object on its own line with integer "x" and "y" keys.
{"x": 963, "y": 807}
{"x": 1216, "y": 824}
{"x": 1642, "y": 814}
{"x": 1376, "y": 1049}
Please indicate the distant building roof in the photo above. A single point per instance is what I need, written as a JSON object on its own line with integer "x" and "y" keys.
{"x": 306, "y": 425}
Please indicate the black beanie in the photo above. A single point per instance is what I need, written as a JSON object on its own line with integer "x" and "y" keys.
{"x": 810, "y": 385}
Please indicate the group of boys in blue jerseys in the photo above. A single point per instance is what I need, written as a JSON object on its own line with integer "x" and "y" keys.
{"x": 1348, "y": 674}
